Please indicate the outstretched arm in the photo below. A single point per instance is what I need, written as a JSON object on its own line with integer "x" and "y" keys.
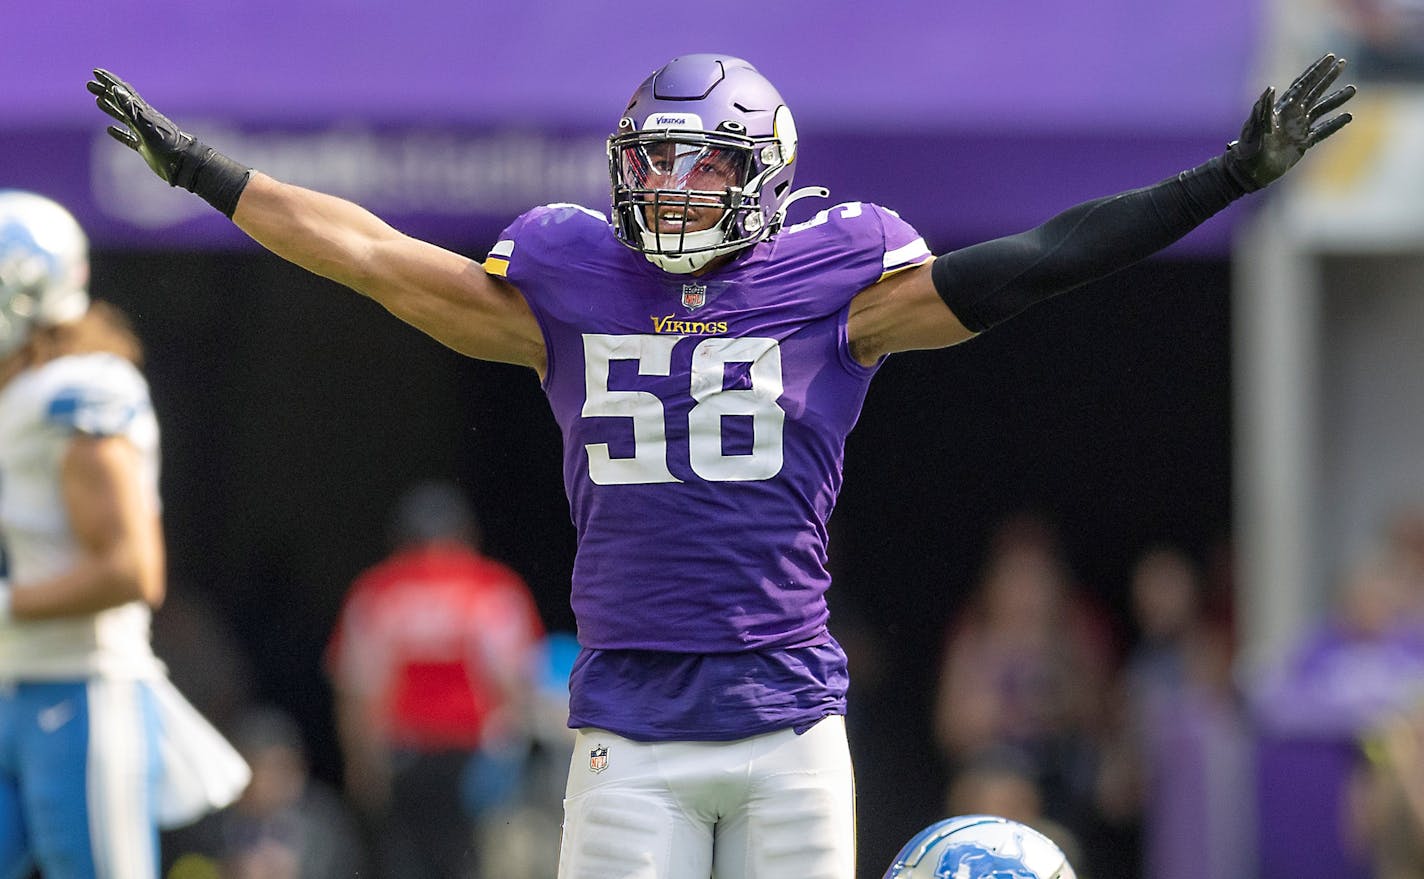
{"x": 442, "y": 293}
{"x": 990, "y": 282}
{"x": 445, "y": 295}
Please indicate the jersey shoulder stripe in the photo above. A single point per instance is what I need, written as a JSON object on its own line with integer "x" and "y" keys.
{"x": 901, "y": 246}
{"x": 94, "y": 394}
{"x": 547, "y": 227}
{"x": 905, "y": 257}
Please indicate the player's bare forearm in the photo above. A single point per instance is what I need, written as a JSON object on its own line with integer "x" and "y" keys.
{"x": 321, "y": 233}
{"x": 444, "y": 294}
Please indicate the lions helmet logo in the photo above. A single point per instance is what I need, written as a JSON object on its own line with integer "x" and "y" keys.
{"x": 980, "y": 847}
{"x": 972, "y": 861}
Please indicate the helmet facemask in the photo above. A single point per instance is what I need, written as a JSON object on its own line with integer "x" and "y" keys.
{"x": 685, "y": 197}
{"x": 704, "y": 134}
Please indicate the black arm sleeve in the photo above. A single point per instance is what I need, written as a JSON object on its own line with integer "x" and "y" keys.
{"x": 990, "y": 282}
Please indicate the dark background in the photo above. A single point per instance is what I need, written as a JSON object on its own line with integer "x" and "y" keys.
{"x": 295, "y": 412}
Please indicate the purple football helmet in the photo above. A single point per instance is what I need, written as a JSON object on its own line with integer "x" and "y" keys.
{"x": 703, "y": 133}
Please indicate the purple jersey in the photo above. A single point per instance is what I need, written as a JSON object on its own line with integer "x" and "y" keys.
{"x": 704, "y": 421}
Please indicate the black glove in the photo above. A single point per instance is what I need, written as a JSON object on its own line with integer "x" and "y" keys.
{"x": 173, "y": 154}
{"x": 1279, "y": 132}
{"x": 169, "y": 151}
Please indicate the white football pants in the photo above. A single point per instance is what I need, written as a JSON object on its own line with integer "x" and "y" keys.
{"x": 767, "y": 807}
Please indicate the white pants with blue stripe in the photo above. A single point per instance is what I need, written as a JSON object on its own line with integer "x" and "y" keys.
{"x": 79, "y": 773}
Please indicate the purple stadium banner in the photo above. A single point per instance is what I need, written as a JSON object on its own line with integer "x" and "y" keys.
{"x": 449, "y": 118}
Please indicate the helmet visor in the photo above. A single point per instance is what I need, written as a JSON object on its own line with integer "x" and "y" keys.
{"x": 679, "y": 166}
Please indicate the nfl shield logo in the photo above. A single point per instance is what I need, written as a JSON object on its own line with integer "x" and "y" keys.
{"x": 694, "y": 296}
{"x": 598, "y": 759}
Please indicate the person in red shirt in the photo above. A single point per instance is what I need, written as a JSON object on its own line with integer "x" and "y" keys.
{"x": 431, "y": 660}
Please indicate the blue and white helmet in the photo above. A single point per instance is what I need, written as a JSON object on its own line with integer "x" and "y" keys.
{"x": 715, "y": 109}
{"x": 980, "y": 847}
{"x": 44, "y": 266}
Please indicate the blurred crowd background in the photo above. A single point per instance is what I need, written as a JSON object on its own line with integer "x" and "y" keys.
{"x": 1143, "y": 567}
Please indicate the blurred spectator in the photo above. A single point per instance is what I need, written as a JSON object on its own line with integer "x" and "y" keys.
{"x": 1388, "y": 795}
{"x": 1384, "y": 39}
{"x": 286, "y": 825}
{"x": 1405, "y": 544}
{"x": 1364, "y": 660}
{"x": 1358, "y": 666}
{"x": 1027, "y": 667}
{"x": 432, "y": 663}
{"x": 516, "y": 838}
{"x": 1178, "y": 768}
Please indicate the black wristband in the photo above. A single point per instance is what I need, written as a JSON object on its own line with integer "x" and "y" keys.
{"x": 213, "y": 177}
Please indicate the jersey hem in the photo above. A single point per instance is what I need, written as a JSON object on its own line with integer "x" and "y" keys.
{"x": 800, "y": 724}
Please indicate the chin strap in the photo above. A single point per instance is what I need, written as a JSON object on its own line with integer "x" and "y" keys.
{"x": 702, "y": 243}
{"x": 683, "y": 264}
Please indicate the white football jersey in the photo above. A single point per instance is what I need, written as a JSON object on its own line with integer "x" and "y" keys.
{"x": 41, "y": 410}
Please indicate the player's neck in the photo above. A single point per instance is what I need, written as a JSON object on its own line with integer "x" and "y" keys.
{"x": 716, "y": 264}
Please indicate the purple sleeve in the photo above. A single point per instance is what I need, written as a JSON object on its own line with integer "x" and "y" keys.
{"x": 904, "y": 247}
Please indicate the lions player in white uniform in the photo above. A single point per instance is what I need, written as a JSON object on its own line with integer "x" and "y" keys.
{"x": 97, "y": 749}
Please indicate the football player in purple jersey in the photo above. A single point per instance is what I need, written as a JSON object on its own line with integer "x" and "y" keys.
{"x": 705, "y": 362}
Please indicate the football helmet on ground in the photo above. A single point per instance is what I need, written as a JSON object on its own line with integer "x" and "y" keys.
{"x": 980, "y": 847}
{"x": 44, "y": 266}
{"x": 702, "y": 162}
